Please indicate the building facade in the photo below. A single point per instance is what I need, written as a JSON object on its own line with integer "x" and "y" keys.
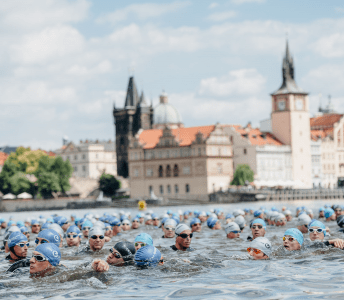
{"x": 181, "y": 161}
{"x": 90, "y": 159}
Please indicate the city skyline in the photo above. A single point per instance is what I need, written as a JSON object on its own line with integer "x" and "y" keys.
{"x": 66, "y": 62}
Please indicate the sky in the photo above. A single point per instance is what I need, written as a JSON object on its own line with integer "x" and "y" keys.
{"x": 64, "y": 64}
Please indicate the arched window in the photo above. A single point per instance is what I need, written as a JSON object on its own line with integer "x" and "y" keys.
{"x": 168, "y": 171}
{"x": 161, "y": 171}
{"x": 175, "y": 171}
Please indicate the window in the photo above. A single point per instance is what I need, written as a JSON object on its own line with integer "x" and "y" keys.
{"x": 175, "y": 171}
{"x": 84, "y": 168}
{"x": 168, "y": 171}
{"x": 135, "y": 154}
{"x": 136, "y": 173}
{"x": 186, "y": 170}
{"x": 245, "y": 151}
{"x": 161, "y": 188}
{"x": 187, "y": 189}
{"x": 150, "y": 190}
{"x": 75, "y": 168}
{"x": 176, "y": 189}
{"x": 168, "y": 189}
{"x": 219, "y": 168}
{"x": 75, "y": 157}
{"x": 161, "y": 171}
{"x": 84, "y": 156}
{"x": 149, "y": 172}
{"x": 231, "y": 139}
{"x": 199, "y": 151}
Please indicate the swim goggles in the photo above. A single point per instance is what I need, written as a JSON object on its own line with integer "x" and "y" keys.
{"x": 257, "y": 226}
{"x": 22, "y": 245}
{"x": 236, "y": 231}
{"x": 138, "y": 244}
{"x": 86, "y": 228}
{"x": 290, "y": 239}
{"x": 196, "y": 224}
{"x": 37, "y": 241}
{"x": 184, "y": 235}
{"x": 170, "y": 228}
{"x": 72, "y": 236}
{"x": 254, "y": 250}
{"x": 94, "y": 237}
{"x": 116, "y": 254}
{"x": 318, "y": 230}
{"x": 39, "y": 258}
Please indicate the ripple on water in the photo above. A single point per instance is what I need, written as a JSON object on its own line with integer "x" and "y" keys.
{"x": 194, "y": 292}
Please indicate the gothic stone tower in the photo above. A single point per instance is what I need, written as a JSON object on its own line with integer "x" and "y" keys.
{"x": 135, "y": 115}
{"x": 290, "y": 122}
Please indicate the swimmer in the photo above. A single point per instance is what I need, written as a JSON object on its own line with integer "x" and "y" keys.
{"x": 232, "y": 230}
{"x": 340, "y": 222}
{"x": 44, "y": 259}
{"x": 48, "y": 236}
{"x": 122, "y": 254}
{"x": 3, "y": 223}
{"x": 73, "y": 236}
{"x": 330, "y": 214}
{"x": 116, "y": 226}
{"x": 63, "y": 222}
{"x": 214, "y": 223}
{"x": 108, "y": 230}
{"x": 86, "y": 227}
{"x": 156, "y": 221}
{"x": 260, "y": 248}
{"x": 292, "y": 239}
{"x": 135, "y": 224}
{"x": 196, "y": 225}
{"x": 183, "y": 240}
{"x": 24, "y": 230}
{"x": 240, "y": 221}
{"x": 169, "y": 228}
{"x": 258, "y": 214}
{"x": 148, "y": 220}
{"x": 142, "y": 240}
{"x": 35, "y": 226}
{"x": 258, "y": 227}
{"x": 96, "y": 239}
{"x": 280, "y": 220}
{"x": 202, "y": 216}
{"x": 288, "y": 215}
{"x": 125, "y": 225}
{"x": 59, "y": 230}
{"x": 337, "y": 210}
{"x": 186, "y": 215}
{"x": 72, "y": 218}
{"x": 317, "y": 232}
{"x": 303, "y": 220}
{"x": 148, "y": 256}
{"x": 321, "y": 212}
{"x": 18, "y": 245}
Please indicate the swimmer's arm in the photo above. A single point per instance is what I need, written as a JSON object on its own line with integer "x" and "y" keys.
{"x": 338, "y": 243}
{"x": 100, "y": 265}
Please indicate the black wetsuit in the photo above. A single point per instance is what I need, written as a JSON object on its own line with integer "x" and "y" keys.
{"x": 173, "y": 247}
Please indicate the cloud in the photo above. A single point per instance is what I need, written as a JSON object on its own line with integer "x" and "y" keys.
{"x": 247, "y": 1}
{"x": 213, "y": 5}
{"x": 238, "y": 82}
{"x": 331, "y": 46}
{"x": 143, "y": 11}
{"x": 222, "y": 16}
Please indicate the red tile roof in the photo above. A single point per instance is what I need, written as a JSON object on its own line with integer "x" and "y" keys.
{"x": 3, "y": 157}
{"x": 150, "y": 138}
{"x": 325, "y": 121}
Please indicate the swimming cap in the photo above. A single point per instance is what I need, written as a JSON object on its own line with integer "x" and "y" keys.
{"x": 61, "y": 221}
{"x": 51, "y": 252}
{"x": 96, "y": 231}
{"x": 74, "y": 229}
{"x": 169, "y": 212}
{"x": 303, "y": 219}
{"x": 231, "y": 226}
{"x": 202, "y": 214}
{"x": 263, "y": 244}
{"x": 295, "y": 233}
{"x": 2, "y": 220}
{"x": 50, "y": 220}
{"x": 258, "y": 221}
{"x": 287, "y": 212}
{"x": 309, "y": 211}
{"x": 195, "y": 221}
{"x": 317, "y": 223}
{"x": 144, "y": 238}
{"x": 123, "y": 217}
{"x": 154, "y": 216}
{"x": 51, "y": 236}
{"x": 108, "y": 226}
{"x": 257, "y": 213}
{"x": 181, "y": 227}
{"x": 240, "y": 221}
{"x": 170, "y": 222}
{"x": 229, "y": 216}
{"x": 279, "y": 217}
{"x": 164, "y": 220}
{"x": 126, "y": 222}
{"x": 12, "y": 229}
{"x": 10, "y": 223}
{"x": 20, "y": 224}
{"x": 328, "y": 212}
{"x": 176, "y": 219}
{"x": 57, "y": 228}
{"x": 33, "y": 222}
{"x": 99, "y": 224}
{"x": 326, "y": 206}
{"x": 126, "y": 249}
{"x": 87, "y": 223}
{"x": 114, "y": 221}
{"x": 24, "y": 229}
{"x": 211, "y": 222}
{"x": 15, "y": 238}
{"x": 321, "y": 209}
{"x": 148, "y": 256}
{"x": 340, "y": 220}
{"x": 246, "y": 210}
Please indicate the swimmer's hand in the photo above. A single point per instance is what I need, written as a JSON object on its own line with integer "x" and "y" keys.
{"x": 100, "y": 265}
{"x": 107, "y": 239}
{"x": 338, "y": 243}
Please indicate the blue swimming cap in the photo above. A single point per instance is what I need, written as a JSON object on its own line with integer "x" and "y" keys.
{"x": 107, "y": 226}
{"x": 51, "y": 252}
{"x": 124, "y": 217}
{"x": 257, "y": 213}
{"x": 73, "y": 228}
{"x": 34, "y": 222}
{"x": 229, "y": 216}
{"x": 147, "y": 256}
{"x": 186, "y": 212}
{"x": 73, "y": 215}
{"x": 15, "y": 238}
{"x": 326, "y": 206}
{"x": 211, "y": 222}
{"x": 51, "y": 236}
{"x": 2, "y": 220}
{"x": 321, "y": 209}
{"x": 169, "y": 212}
{"x": 246, "y": 210}
{"x": 24, "y": 229}
{"x": 114, "y": 221}
{"x": 154, "y": 216}
{"x": 259, "y": 221}
{"x": 164, "y": 220}
{"x": 20, "y": 224}
{"x": 87, "y": 223}
{"x": 45, "y": 226}
{"x": 50, "y": 220}
{"x": 139, "y": 215}
{"x": 176, "y": 219}
{"x": 61, "y": 221}
{"x": 295, "y": 233}
{"x": 317, "y": 223}
{"x": 195, "y": 221}
{"x": 274, "y": 208}
{"x": 144, "y": 238}
{"x": 10, "y": 223}
{"x": 328, "y": 212}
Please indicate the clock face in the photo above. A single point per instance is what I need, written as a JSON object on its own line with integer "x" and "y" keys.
{"x": 281, "y": 105}
{"x": 299, "y": 104}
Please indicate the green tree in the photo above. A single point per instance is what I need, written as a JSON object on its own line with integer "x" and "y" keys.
{"x": 20, "y": 184}
{"x": 8, "y": 170}
{"x": 242, "y": 174}
{"x": 48, "y": 182}
{"x": 109, "y": 184}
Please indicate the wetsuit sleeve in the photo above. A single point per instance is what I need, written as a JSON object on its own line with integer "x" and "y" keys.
{"x": 23, "y": 263}
{"x": 326, "y": 243}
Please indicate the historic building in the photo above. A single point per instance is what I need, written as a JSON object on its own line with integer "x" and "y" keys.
{"x": 180, "y": 161}
{"x": 135, "y": 115}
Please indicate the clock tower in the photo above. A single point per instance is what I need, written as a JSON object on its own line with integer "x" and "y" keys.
{"x": 290, "y": 122}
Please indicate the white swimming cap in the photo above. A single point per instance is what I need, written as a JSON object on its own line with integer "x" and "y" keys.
{"x": 170, "y": 222}
{"x": 231, "y": 226}
{"x": 303, "y": 219}
{"x": 181, "y": 227}
{"x": 263, "y": 244}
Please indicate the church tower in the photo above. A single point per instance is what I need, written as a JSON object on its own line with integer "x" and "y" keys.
{"x": 135, "y": 115}
{"x": 290, "y": 122}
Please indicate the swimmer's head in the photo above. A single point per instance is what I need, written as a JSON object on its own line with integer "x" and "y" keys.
{"x": 232, "y": 230}
{"x": 45, "y": 257}
{"x": 48, "y": 236}
{"x": 262, "y": 244}
{"x": 293, "y": 239}
{"x": 148, "y": 256}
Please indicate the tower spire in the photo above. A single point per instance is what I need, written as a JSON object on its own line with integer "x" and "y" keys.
{"x": 132, "y": 98}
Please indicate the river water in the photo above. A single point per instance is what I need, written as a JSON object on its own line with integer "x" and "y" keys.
{"x": 219, "y": 268}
